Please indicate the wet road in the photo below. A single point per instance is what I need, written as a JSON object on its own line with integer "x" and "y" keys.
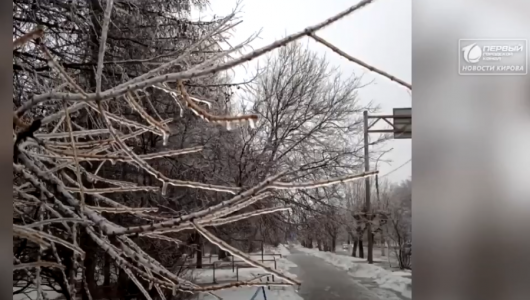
{"x": 322, "y": 281}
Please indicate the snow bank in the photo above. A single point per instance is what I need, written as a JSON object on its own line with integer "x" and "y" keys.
{"x": 281, "y": 249}
{"x": 357, "y": 267}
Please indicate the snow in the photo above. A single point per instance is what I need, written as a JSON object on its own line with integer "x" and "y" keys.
{"x": 403, "y": 273}
{"x": 283, "y": 250}
{"x": 31, "y": 293}
{"x": 387, "y": 281}
{"x": 248, "y": 292}
{"x": 398, "y": 281}
{"x": 388, "y": 261}
{"x": 205, "y": 276}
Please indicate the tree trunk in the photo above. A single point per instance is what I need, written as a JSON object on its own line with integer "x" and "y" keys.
{"x": 191, "y": 241}
{"x": 361, "y": 248}
{"x": 89, "y": 246}
{"x": 355, "y": 244}
{"x": 123, "y": 279}
{"x": 250, "y": 247}
{"x": 319, "y": 244}
{"x": 106, "y": 270}
{"x": 199, "y": 250}
{"x": 383, "y": 253}
{"x": 222, "y": 254}
{"x": 333, "y": 243}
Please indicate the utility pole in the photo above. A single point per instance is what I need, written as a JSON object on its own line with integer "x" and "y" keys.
{"x": 367, "y": 190}
{"x": 402, "y": 129}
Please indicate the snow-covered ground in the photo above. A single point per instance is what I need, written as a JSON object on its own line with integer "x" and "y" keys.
{"x": 246, "y": 293}
{"x": 31, "y": 294}
{"x": 397, "y": 281}
{"x": 376, "y": 278}
{"x": 205, "y": 276}
{"x": 384, "y": 258}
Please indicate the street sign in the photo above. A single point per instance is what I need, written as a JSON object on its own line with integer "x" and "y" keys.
{"x": 402, "y": 123}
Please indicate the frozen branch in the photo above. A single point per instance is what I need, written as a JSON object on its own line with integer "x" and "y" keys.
{"x": 114, "y": 93}
{"x": 322, "y": 183}
{"x": 358, "y": 61}
{"x": 219, "y": 243}
{"x": 102, "y": 44}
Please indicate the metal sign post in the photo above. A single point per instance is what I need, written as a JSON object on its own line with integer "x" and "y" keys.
{"x": 402, "y": 129}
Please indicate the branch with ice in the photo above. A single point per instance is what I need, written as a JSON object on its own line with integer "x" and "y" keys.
{"x": 63, "y": 145}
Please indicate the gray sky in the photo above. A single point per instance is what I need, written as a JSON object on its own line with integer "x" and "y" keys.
{"x": 379, "y": 34}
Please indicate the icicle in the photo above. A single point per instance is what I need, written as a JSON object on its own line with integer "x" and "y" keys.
{"x": 165, "y": 138}
{"x": 174, "y": 291}
{"x": 164, "y": 188}
{"x": 251, "y": 123}
{"x": 228, "y": 126}
{"x": 150, "y": 285}
{"x": 112, "y": 162}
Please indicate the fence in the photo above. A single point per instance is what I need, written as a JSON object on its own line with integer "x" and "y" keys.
{"x": 262, "y": 256}
{"x": 234, "y": 264}
{"x": 257, "y": 292}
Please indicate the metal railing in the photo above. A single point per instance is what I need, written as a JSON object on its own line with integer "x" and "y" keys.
{"x": 234, "y": 264}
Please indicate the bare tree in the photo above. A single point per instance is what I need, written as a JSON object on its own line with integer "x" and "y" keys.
{"x": 310, "y": 115}
{"x": 356, "y": 221}
{"x": 72, "y": 201}
{"x": 400, "y": 225}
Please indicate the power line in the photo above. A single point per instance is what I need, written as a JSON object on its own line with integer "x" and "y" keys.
{"x": 401, "y": 166}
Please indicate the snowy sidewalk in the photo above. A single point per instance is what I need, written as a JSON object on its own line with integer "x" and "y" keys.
{"x": 322, "y": 281}
{"x": 388, "y": 285}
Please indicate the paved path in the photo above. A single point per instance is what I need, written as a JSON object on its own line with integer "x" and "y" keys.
{"x": 322, "y": 281}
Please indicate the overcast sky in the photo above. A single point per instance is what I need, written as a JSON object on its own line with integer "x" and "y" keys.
{"x": 379, "y": 34}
